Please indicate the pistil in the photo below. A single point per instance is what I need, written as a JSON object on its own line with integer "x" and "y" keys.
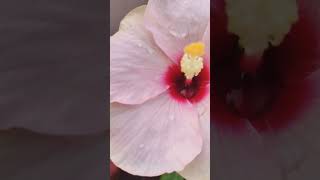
{"x": 192, "y": 60}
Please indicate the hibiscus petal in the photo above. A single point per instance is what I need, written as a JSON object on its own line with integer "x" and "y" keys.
{"x": 137, "y": 65}
{"x": 241, "y": 155}
{"x": 206, "y": 40}
{"x": 176, "y": 23}
{"x": 159, "y": 136}
{"x": 25, "y": 155}
{"x": 199, "y": 168}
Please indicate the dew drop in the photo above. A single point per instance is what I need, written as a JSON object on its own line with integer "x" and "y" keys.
{"x": 177, "y": 34}
{"x": 141, "y": 146}
{"x": 171, "y": 117}
{"x": 150, "y": 50}
{"x": 145, "y": 47}
{"x": 139, "y": 44}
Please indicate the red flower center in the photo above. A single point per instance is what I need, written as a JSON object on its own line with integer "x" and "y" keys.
{"x": 184, "y": 90}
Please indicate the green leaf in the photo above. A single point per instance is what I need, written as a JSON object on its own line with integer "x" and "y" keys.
{"x": 172, "y": 176}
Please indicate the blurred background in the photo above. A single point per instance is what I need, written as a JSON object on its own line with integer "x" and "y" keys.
{"x": 53, "y": 83}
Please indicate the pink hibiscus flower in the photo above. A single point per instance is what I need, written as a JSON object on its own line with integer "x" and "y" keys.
{"x": 265, "y": 114}
{"x": 160, "y": 80}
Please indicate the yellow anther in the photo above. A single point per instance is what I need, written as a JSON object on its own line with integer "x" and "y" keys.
{"x": 195, "y": 49}
{"x": 192, "y": 60}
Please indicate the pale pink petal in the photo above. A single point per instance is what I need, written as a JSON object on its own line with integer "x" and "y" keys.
{"x": 206, "y": 40}
{"x": 159, "y": 136}
{"x": 199, "y": 168}
{"x": 241, "y": 154}
{"x": 175, "y": 23}
{"x": 25, "y": 155}
{"x": 137, "y": 65}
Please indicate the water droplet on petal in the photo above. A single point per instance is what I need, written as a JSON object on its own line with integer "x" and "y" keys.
{"x": 141, "y": 146}
{"x": 171, "y": 117}
{"x": 139, "y": 44}
{"x": 178, "y": 34}
{"x": 145, "y": 47}
{"x": 150, "y": 50}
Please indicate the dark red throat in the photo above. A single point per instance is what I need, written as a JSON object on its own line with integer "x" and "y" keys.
{"x": 183, "y": 89}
